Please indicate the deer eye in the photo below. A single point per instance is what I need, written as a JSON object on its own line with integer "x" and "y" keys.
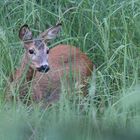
{"x": 48, "y": 51}
{"x": 31, "y": 51}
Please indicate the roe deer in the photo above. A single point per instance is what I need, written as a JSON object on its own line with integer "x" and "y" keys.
{"x": 46, "y": 72}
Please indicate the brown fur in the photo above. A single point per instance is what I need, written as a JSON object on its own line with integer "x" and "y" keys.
{"x": 62, "y": 58}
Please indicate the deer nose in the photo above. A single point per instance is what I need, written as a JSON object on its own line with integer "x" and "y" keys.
{"x": 43, "y": 68}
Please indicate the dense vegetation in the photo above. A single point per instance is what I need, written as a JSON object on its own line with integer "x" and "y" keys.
{"x": 108, "y": 31}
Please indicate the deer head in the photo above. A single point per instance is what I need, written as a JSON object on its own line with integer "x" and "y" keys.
{"x": 36, "y": 50}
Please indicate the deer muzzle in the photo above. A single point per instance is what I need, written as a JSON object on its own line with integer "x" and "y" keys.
{"x": 43, "y": 68}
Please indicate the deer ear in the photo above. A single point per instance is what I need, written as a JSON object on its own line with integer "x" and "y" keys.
{"x": 25, "y": 33}
{"x": 51, "y": 33}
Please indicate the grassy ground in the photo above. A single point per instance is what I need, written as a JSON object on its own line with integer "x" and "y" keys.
{"x": 109, "y": 32}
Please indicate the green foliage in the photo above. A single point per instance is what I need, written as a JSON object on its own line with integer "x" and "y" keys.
{"x": 108, "y": 31}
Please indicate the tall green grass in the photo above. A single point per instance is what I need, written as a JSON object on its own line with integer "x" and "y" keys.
{"x": 108, "y": 31}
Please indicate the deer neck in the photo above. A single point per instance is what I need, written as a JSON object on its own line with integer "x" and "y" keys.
{"x": 26, "y": 70}
{"x": 30, "y": 74}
